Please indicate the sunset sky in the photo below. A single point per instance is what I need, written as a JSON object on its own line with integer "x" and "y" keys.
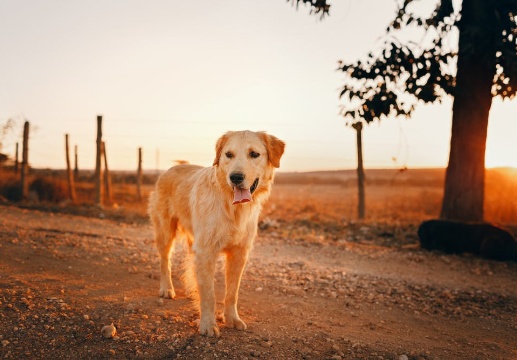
{"x": 172, "y": 76}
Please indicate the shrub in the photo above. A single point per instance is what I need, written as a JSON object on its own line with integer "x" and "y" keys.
{"x": 10, "y": 186}
{"x": 49, "y": 189}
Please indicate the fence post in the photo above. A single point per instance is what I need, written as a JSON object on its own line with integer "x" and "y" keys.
{"x": 71, "y": 183}
{"x": 25, "y": 162}
{"x": 76, "y": 164}
{"x": 107, "y": 178}
{"x": 16, "y": 161}
{"x": 98, "y": 169}
{"x": 139, "y": 176}
{"x": 358, "y": 126}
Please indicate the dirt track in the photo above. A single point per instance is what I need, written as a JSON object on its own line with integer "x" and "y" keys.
{"x": 63, "y": 277}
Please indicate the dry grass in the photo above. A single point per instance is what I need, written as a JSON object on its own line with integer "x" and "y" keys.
{"x": 390, "y": 196}
{"x": 339, "y": 203}
{"x": 330, "y": 198}
{"x": 501, "y": 196}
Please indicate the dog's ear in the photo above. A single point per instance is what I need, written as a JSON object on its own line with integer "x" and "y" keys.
{"x": 275, "y": 148}
{"x": 219, "y": 148}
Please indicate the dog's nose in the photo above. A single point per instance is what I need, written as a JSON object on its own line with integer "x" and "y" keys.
{"x": 236, "y": 178}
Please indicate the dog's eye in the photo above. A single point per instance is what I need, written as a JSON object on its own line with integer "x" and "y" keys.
{"x": 229, "y": 154}
{"x": 254, "y": 154}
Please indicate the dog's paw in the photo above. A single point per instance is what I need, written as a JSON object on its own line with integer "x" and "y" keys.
{"x": 209, "y": 329}
{"x": 235, "y": 322}
{"x": 167, "y": 293}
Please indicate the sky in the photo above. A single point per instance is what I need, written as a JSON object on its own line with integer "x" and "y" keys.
{"x": 172, "y": 76}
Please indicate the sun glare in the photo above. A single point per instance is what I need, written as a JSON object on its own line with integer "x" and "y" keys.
{"x": 501, "y": 147}
{"x": 501, "y": 157}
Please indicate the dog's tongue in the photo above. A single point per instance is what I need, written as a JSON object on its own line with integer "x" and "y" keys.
{"x": 241, "y": 195}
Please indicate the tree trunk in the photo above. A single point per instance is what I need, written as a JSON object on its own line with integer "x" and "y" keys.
{"x": 465, "y": 176}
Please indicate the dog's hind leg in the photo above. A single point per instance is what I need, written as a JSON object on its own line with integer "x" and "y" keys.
{"x": 164, "y": 239}
{"x": 236, "y": 258}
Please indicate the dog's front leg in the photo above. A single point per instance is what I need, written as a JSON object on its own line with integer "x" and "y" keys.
{"x": 236, "y": 258}
{"x": 205, "y": 270}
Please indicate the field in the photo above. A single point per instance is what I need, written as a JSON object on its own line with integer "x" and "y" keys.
{"x": 319, "y": 285}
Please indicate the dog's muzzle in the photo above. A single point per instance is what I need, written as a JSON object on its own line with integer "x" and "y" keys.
{"x": 241, "y": 195}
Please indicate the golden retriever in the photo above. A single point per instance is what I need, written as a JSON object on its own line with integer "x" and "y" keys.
{"x": 217, "y": 209}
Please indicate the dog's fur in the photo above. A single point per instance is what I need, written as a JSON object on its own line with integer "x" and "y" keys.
{"x": 480, "y": 239}
{"x": 197, "y": 203}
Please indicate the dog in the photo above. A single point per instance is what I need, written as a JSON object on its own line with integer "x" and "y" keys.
{"x": 217, "y": 210}
{"x": 482, "y": 239}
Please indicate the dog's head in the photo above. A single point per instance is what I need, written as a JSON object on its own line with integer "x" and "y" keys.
{"x": 247, "y": 161}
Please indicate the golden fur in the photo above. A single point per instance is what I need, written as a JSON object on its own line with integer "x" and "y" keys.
{"x": 197, "y": 203}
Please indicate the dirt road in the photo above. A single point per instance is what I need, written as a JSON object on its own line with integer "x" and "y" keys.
{"x": 64, "y": 277}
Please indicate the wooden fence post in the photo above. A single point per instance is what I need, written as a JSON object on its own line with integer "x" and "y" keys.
{"x": 16, "y": 161}
{"x": 358, "y": 126}
{"x": 98, "y": 169}
{"x": 139, "y": 176}
{"x": 76, "y": 164}
{"x": 71, "y": 183}
{"x": 25, "y": 162}
{"x": 107, "y": 178}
